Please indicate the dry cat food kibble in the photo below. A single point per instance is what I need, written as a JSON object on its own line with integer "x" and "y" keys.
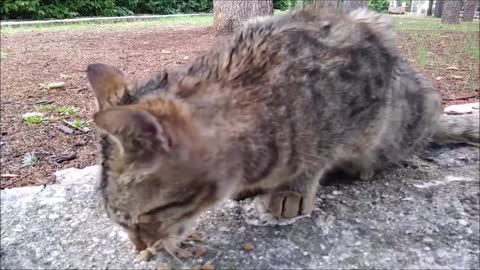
{"x": 145, "y": 255}
{"x": 164, "y": 267}
{"x": 196, "y": 267}
{"x": 248, "y": 246}
{"x": 195, "y": 236}
{"x": 207, "y": 266}
{"x": 200, "y": 250}
{"x": 184, "y": 254}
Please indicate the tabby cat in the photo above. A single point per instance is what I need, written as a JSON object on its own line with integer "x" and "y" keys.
{"x": 284, "y": 100}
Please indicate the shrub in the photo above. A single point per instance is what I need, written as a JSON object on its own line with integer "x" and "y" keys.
{"x": 59, "y": 9}
{"x": 378, "y": 5}
{"x": 281, "y": 4}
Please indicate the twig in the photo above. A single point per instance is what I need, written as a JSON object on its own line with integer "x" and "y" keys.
{"x": 461, "y": 98}
{"x": 72, "y": 125}
{"x": 44, "y": 102}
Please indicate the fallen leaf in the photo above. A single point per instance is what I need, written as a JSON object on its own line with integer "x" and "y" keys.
{"x": 56, "y": 85}
{"x": 196, "y": 267}
{"x": 457, "y": 77}
{"x": 452, "y": 68}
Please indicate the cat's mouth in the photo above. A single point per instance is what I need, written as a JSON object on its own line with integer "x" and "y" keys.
{"x": 149, "y": 244}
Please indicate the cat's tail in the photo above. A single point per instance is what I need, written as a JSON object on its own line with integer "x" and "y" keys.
{"x": 458, "y": 129}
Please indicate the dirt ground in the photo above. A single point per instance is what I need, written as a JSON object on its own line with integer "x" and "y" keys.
{"x": 42, "y": 57}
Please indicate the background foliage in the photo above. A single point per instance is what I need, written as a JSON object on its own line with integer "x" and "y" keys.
{"x": 378, "y": 5}
{"x": 60, "y": 9}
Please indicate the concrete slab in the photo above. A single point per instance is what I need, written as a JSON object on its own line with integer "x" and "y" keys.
{"x": 425, "y": 215}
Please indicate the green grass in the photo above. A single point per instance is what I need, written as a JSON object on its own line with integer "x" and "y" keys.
{"x": 34, "y": 118}
{"x": 475, "y": 52}
{"x": 421, "y": 56}
{"x": 79, "y": 123}
{"x": 168, "y": 21}
{"x": 44, "y": 107}
{"x": 404, "y": 23}
{"x": 30, "y": 159}
{"x": 67, "y": 110}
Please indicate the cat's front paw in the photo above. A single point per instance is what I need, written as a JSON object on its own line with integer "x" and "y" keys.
{"x": 289, "y": 204}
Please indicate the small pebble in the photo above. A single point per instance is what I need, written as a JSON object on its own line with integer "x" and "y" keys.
{"x": 463, "y": 222}
{"x": 248, "y": 246}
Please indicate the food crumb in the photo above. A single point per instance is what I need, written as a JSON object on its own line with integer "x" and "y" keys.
{"x": 145, "y": 255}
{"x": 196, "y": 267}
{"x": 248, "y": 246}
{"x": 164, "y": 267}
{"x": 184, "y": 254}
{"x": 195, "y": 236}
{"x": 200, "y": 250}
{"x": 207, "y": 266}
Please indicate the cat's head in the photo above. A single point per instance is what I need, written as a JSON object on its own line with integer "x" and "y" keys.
{"x": 157, "y": 169}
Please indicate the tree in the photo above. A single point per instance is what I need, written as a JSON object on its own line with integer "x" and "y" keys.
{"x": 229, "y": 14}
{"x": 438, "y": 8}
{"x": 430, "y": 7}
{"x": 469, "y": 10}
{"x": 451, "y": 12}
{"x": 349, "y": 5}
{"x": 294, "y": 4}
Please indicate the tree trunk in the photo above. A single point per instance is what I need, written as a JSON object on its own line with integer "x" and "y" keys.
{"x": 469, "y": 10}
{"x": 438, "y": 8}
{"x": 451, "y": 12}
{"x": 228, "y": 15}
{"x": 349, "y": 5}
{"x": 293, "y": 4}
{"x": 430, "y": 7}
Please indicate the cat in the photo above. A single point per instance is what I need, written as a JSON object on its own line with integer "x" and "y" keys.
{"x": 284, "y": 100}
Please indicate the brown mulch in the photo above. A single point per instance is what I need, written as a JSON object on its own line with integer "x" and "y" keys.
{"x": 42, "y": 57}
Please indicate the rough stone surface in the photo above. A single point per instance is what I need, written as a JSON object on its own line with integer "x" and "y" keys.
{"x": 466, "y": 108}
{"x": 424, "y": 215}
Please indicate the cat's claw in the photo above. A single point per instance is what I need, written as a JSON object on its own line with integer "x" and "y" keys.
{"x": 289, "y": 204}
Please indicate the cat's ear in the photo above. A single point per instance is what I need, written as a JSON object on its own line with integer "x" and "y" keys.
{"x": 130, "y": 125}
{"x": 109, "y": 84}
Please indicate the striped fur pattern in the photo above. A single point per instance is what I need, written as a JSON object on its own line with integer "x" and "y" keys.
{"x": 284, "y": 100}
